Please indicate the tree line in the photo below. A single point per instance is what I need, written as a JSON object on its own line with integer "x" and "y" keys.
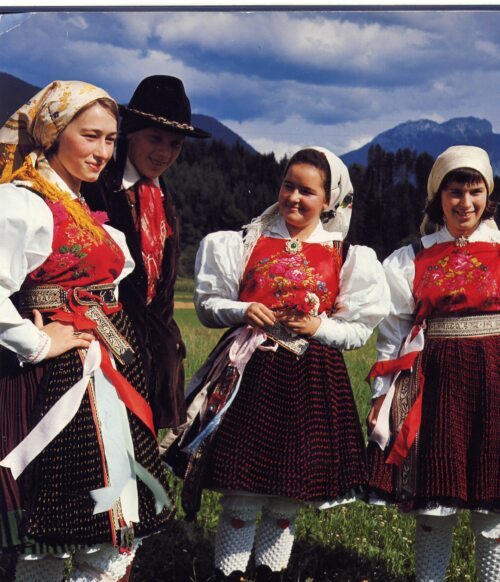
{"x": 217, "y": 187}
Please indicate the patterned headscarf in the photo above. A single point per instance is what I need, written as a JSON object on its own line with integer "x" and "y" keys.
{"x": 453, "y": 158}
{"x": 35, "y": 126}
{"x": 33, "y": 129}
{"x": 335, "y": 219}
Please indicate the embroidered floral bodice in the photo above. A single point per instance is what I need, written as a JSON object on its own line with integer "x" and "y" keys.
{"x": 77, "y": 259}
{"x": 453, "y": 280}
{"x": 284, "y": 274}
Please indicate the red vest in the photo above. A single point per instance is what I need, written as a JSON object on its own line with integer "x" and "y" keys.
{"x": 76, "y": 258}
{"x": 451, "y": 280}
{"x": 280, "y": 277}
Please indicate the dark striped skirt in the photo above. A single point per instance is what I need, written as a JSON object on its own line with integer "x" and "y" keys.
{"x": 455, "y": 460}
{"x": 293, "y": 429}
{"x": 49, "y": 508}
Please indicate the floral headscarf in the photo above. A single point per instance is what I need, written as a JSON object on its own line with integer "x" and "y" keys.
{"x": 32, "y": 130}
{"x": 35, "y": 126}
{"x": 335, "y": 219}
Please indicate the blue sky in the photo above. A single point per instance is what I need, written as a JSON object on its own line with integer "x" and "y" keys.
{"x": 281, "y": 79}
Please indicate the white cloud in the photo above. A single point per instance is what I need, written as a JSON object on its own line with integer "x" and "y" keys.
{"x": 282, "y": 80}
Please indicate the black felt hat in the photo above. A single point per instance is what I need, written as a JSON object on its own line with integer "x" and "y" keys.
{"x": 160, "y": 101}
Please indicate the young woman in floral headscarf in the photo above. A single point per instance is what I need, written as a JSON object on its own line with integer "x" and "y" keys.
{"x": 71, "y": 452}
{"x": 273, "y": 413}
{"x": 435, "y": 418}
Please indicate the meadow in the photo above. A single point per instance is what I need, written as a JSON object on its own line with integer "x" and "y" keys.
{"x": 352, "y": 543}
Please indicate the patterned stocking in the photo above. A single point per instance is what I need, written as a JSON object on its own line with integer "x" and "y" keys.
{"x": 46, "y": 569}
{"x": 235, "y": 532}
{"x": 486, "y": 528}
{"x": 105, "y": 565}
{"x": 275, "y": 535}
{"x": 433, "y": 546}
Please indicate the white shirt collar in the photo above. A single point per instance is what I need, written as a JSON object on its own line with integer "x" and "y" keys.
{"x": 131, "y": 176}
{"x": 483, "y": 233}
{"x": 278, "y": 229}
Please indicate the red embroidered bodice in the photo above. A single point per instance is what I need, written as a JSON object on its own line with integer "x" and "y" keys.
{"x": 77, "y": 259}
{"x": 282, "y": 277}
{"x": 452, "y": 280}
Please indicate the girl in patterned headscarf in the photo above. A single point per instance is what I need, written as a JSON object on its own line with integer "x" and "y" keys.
{"x": 435, "y": 417}
{"x": 274, "y": 417}
{"x": 71, "y": 452}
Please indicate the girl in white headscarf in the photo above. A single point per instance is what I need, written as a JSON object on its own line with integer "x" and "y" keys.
{"x": 274, "y": 422}
{"x": 435, "y": 418}
{"x": 76, "y": 427}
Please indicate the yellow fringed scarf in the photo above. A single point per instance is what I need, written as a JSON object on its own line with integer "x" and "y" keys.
{"x": 80, "y": 215}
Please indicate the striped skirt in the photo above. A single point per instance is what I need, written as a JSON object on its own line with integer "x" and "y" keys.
{"x": 49, "y": 508}
{"x": 455, "y": 460}
{"x": 293, "y": 429}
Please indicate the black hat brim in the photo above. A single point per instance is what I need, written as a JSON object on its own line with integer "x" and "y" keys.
{"x": 134, "y": 120}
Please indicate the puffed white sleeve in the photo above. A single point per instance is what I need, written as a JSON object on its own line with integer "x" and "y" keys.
{"x": 362, "y": 302}
{"x": 399, "y": 270}
{"x": 218, "y": 271}
{"x": 26, "y": 231}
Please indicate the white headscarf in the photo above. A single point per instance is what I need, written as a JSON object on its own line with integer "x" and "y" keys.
{"x": 336, "y": 218}
{"x": 453, "y": 158}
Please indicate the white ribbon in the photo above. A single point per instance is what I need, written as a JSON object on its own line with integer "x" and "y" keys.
{"x": 56, "y": 419}
{"x": 381, "y": 432}
{"x": 245, "y": 341}
{"x": 118, "y": 446}
{"x": 117, "y": 441}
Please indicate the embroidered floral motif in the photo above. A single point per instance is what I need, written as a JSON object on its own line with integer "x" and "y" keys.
{"x": 295, "y": 283}
{"x": 459, "y": 270}
{"x": 71, "y": 256}
{"x": 100, "y": 216}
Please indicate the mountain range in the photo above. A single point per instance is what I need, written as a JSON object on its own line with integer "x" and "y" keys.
{"x": 429, "y": 136}
{"x": 421, "y": 136}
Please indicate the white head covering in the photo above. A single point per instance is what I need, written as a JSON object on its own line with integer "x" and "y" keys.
{"x": 455, "y": 157}
{"x": 336, "y": 218}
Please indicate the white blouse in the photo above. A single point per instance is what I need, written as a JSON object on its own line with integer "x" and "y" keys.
{"x": 26, "y": 230}
{"x": 363, "y": 299}
{"x": 399, "y": 270}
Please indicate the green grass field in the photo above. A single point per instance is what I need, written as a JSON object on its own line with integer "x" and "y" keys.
{"x": 350, "y": 543}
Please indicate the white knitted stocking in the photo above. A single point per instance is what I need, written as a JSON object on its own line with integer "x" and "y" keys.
{"x": 275, "y": 535}
{"x": 235, "y": 532}
{"x": 104, "y": 565}
{"x": 433, "y": 546}
{"x": 486, "y": 528}
{"x": 48, "y": 569}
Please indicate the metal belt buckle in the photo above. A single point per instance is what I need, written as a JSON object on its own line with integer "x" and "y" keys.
{"x": 293, "y": 343}
{"x": 98, "y": 290}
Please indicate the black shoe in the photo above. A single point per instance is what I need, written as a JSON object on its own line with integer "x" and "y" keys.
{"x": 265, "y": 574}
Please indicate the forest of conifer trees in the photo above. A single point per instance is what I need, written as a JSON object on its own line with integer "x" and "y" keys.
{"x": 217, "y": 187}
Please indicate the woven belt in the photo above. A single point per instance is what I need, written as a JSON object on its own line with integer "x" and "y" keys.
{"x": 468, "y": 326}
{"x": 46, "y": 298}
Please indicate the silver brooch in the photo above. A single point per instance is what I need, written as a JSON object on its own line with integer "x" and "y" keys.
{"x": 293, "y": 245}
{"x": 461, "y": 241}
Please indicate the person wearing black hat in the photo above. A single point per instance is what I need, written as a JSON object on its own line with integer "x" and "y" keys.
{"x": 133, "y": 193}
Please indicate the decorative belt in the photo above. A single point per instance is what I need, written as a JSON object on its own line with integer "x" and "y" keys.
{"x": 91, "y": 302}
{"x": 467, "y": 326}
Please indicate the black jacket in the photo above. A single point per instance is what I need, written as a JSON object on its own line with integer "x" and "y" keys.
{"x": 158, "y": 334}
